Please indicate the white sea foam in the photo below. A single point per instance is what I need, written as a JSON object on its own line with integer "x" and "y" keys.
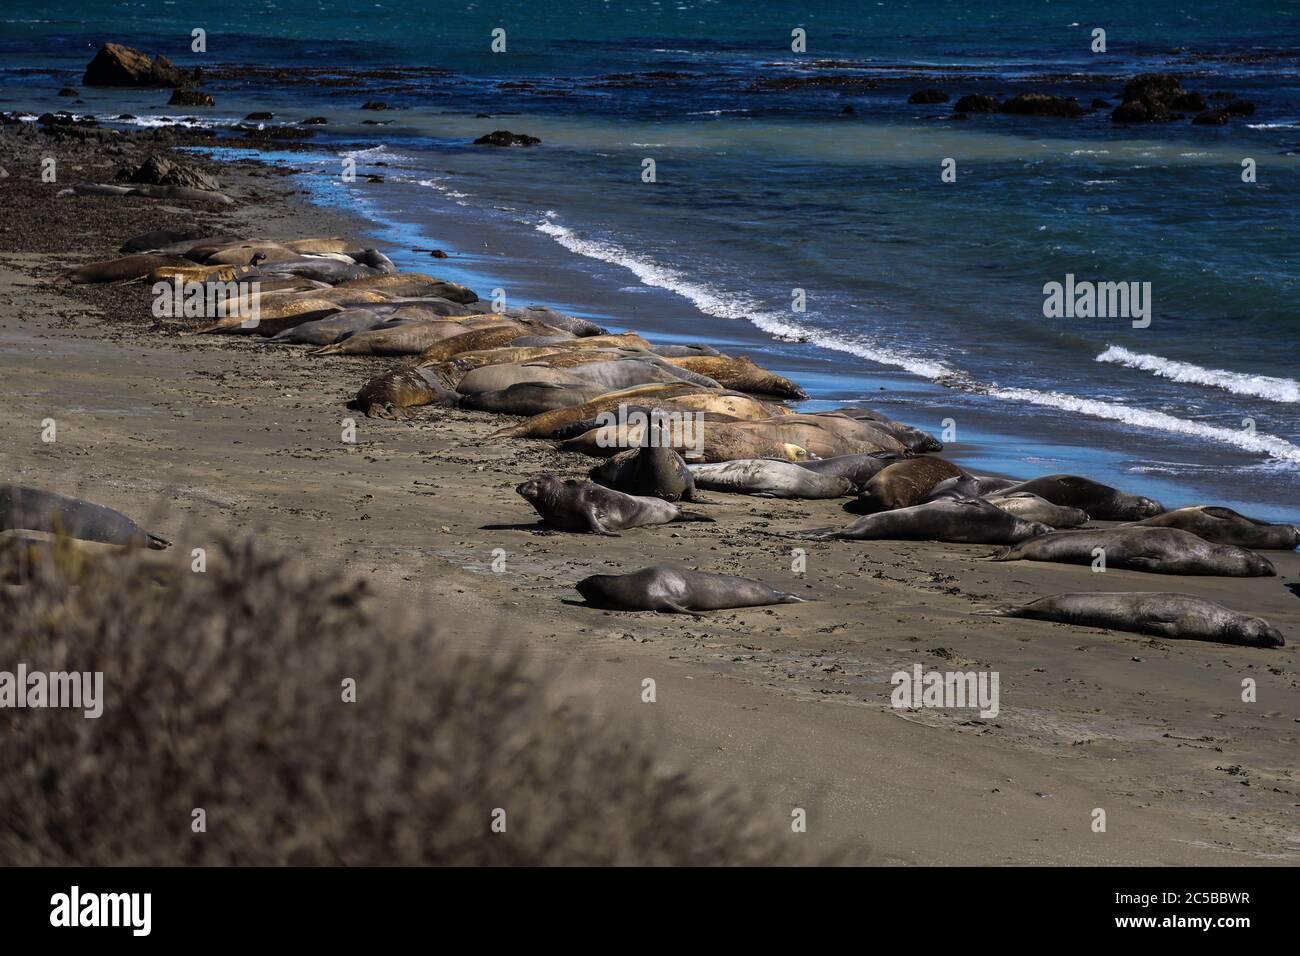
{"x": 376, "y": 154}
{"x": 1239, "y": 383}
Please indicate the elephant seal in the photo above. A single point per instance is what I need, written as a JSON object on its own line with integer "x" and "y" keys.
{"x": 664, "y": 588}
{"x": 683, "y": 351}
{"x": 556, "y": 320}
{"x": 402, "y": 338}
{"x": 625, "y": 373}
{"x": 31, "y": 509}
{"x": 1164, "y": 614}
{"x": 739, "y": 373}
{"x": 374, "y": 259}
{"x": 573, "y": 505}
{"x": 915, "y": 439}
{"x": 1156, "y": 550}
{"x": 904, "y": 484}
{"x": 546, "y": 425}
{"x": 768, "y": 478}
{"x": 322, "y": 268}
{"x": 390, "y": 394}
{"x": 969, "y": 486}
{"x": 969, "y": 521}
{"x": 858, "y": 469}
{"x": 330, "y": 329}
{"x": 158, "y": 239}
{"x": 707, "y": 441}
{"x": 531, "y": 398}
{"x": 318, "y": 244}
{"x": 652, "y": 470}
{"x": 1033, "y": 508}
{"x": 1225, "y": 526}
{"x": 241, "y": 252}
{"x": 412, "y": 284}
{"x": 493, "y": 378}
{"x": 1102, "y": 502}
{"x": 504, "y": 332}
{"x": 622, "y": 340}
{"x": 123, "y": 269}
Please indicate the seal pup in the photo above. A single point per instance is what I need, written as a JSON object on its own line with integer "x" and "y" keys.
{"x": 968, "y": 521}
{"x": 1103, "y": 502}
{"x": 573, "y": 505}
{"x": 665, "y": 588}
{"x": 859, "y": 469}
{"x": 768, "y": 478}
{"x": 652, "y": 470}
{"x": 904, "y": 484}
{"x": 1162, "y": 613}
{"x": 390, "y": 394}
{"x": 31, "y": 509}
{"x": 1033, "y": 508}
{"x": 1156, "y": 550}
{"x": 1225, "y": 526}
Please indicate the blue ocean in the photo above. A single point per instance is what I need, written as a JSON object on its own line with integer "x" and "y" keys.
{"x": 704, "y": 175}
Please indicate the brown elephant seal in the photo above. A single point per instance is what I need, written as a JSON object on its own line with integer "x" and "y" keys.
{"x": 330, "y": 329}
{"x": 664, "y": 588}
{"x": 321, "y": 268}
{"x": 546, "y": 425}
{"x": 968, "y": 521}
{"x": 625, "y": 373}
{"x": 531, "y": 398}
{"x": 653, "y": 471}
{"x": 741, "y": 374}
{"x": 915, "y": 439}
{"x": 556, "y": 320}
{"x": 573, "y": 505}
{"x": 401, "y": 337}
{"x": 412, "y": 284}
{"x": 390, "y": 394}
{"x": 904, "y": 484}
{"x": 858, "y": 469}
{"x": 503, "y": 332}
{"x": 1163, "y": 614}
{"x": 625, "y": 340}
{"x": 323, "y": 244}
{"x": 31, "y": 509}
{"x": 1156, "y": 550}
{"x": 708, "y": 441}
{"x": 768, "y": 478}
{"x": 1103, "y": 502}
{"x": 123, "y": 268}
{"x": 1225, "y": 526}
{"x": 159, "y": 239}
{"x": 1033, "y": 508}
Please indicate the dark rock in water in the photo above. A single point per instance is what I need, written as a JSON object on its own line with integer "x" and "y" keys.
{"x": 1100, "y": 104}
{"x": 68, "y": 91}
{"x": 117, "y": 65}
{"x": 848, "y": 111}
{"x": 1041, "y": 104}
{"x": 977, "y": 103}
{"x": 1240, "y": 108}
{"x": 958, "y": 116}
{"x": 1211, "y": 118}
{"x": 315, "y": 121}
{"x": 188, "y": 97}
{"x": 376, "y": 122}
{"x": 438, "y": 254}
{"x": 1153, "y": 97}
{"x": 375, "y": 105}
{"x": 482, "y": 115}
{"x": 374, "y": 178}
{"x": 263, "y": 115}
{"x": 125, "y": 116}
{"x": 1221, "y": 96}
{"x": 1191, "y": 102}
{"x": 930, "y": 95}
{"x": 1138, "y": 112}
{"x": 503, "y": 137}
{"x": 160, "y": 171}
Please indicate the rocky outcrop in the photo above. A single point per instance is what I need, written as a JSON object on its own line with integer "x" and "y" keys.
{"x": 503, "y": 137}
{"x": 1160, "y": 98}
{"x": 375, "y": 105}
{"x": 1041, "y": 104}
{"x": 931, "y": 95}
{"x": 976, "y": 103}
{"x": 117, "y": 65}
{"x": 188, "y": 97}
{"x": 161, "y": 171}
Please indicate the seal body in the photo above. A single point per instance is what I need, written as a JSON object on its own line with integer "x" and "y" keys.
{"x": 904, "y": 484}
{"x": 531, "y": 398}
{"x": 1164, "y": 614}
{"x": 391, "y": 394}
{"x": 969, "y": 521}
{"x": 654, "y": 471}
{"x": 915, "y": 439}
{"x": 739, "y": 373}
{"x": 1157, "y": 550}
{"x": 31, "y": 509}
{"x": 573, "y": 505}
{"x": 663, "y": 588}
{"x": 858, "y": 469}
{"x": 1225, "y": 526}
{"x": 1033, "y": 508}
{"x": 768, "y": 478}
{"x": 1102, "y": 502}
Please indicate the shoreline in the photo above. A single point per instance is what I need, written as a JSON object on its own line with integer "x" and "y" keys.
{"x": 249, "y": 433}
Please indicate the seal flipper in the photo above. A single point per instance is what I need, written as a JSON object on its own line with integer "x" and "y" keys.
{"x": 819, "y": 534}
{"x": 594, "y": 523}
{"x": 156, "y": 541}
{"x": 692, "y": 516}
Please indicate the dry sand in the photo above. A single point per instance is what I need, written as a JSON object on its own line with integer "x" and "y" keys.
{"x": 205, "y": 434}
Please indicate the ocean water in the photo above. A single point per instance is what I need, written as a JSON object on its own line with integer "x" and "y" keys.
{"x": 923, "y": 297}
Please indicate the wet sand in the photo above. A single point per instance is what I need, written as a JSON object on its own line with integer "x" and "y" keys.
{"x": 202, "y": 435}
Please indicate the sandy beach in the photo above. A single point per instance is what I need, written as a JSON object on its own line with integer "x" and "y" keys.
{"x": 199, "y": 435}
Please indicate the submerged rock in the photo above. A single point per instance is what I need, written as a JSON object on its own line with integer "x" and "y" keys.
{"x": 1041, "y": 104}
{"x": 976, "y": 103}
{"x": 503, "y": 137}
{"x": 930, "y": 95}
{"x": 188, "y": 97}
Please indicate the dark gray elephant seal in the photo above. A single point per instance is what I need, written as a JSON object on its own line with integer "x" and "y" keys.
{"x": 1102, "y": 502}
{"x": 969, "y": 486}
{"x": 652, "y": 470}
{"x": 1164, "y": 614}
{"x": 858, "y": 469}
{"x": 573, "y": 505}
{"x": 331, "y": 329}
{"x": 663, "y": 588}
{"x": 374, "y": 259}
{"x": 556, "y": 320}
{"x": 683, "y": 351}
{"x": 1225, "y": 526}
{"x": 915, "y": 439}
{"x": 31, "y": 509}
{"x": 969, "y": 521}
{"x": 320, "y": 268}
{"x": 768, "y": 478}
{"x": 531, "y": 398}
{"x": 1157, "y": 550}
{"x": 1033, "y": 508}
